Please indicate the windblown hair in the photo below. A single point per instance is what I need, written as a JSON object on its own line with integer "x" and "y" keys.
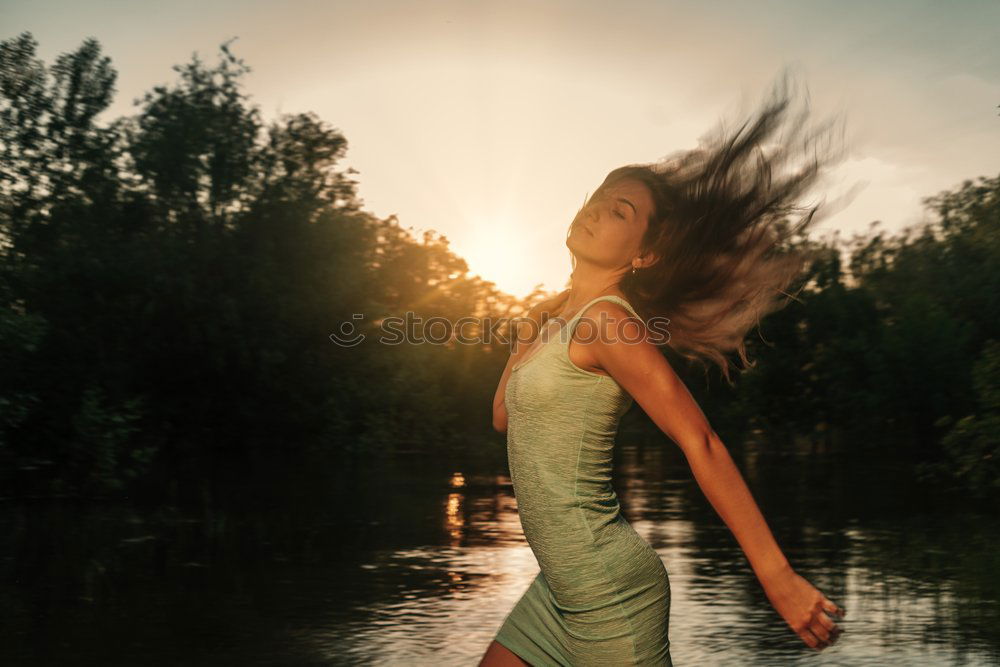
{"x": 718, "y": 231}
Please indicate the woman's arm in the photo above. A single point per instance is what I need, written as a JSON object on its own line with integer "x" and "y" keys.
{"x": 645, "y": 374}
{"x": 525, "y": 336}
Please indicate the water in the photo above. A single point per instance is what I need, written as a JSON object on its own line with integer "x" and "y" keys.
{"x": 412, "y": 564}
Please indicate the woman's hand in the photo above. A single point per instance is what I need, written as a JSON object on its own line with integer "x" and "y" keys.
{"x": 538, "y": 315}
{"x": 804, "y": 608}
{"x": 548, "y": 307}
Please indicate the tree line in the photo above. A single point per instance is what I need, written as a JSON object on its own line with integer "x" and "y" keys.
{"x": 169, "y": 282}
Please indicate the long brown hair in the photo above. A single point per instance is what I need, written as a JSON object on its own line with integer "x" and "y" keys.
{"x": 719, "y": 226}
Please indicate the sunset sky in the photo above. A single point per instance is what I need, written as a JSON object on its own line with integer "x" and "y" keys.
{"x": 490, "y": 122}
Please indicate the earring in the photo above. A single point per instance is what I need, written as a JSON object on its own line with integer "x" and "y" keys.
{"x": 633, "y": 269}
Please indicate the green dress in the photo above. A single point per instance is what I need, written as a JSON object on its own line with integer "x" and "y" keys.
{"x": 602, "y": 595}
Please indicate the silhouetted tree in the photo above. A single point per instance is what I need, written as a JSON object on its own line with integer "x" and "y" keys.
{"x": 169, "y": 282}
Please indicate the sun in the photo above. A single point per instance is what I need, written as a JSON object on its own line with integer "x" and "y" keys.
{"x": 499, "y": 252}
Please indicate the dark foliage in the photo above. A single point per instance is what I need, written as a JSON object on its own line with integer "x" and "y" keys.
{"x": 169, "y": 282}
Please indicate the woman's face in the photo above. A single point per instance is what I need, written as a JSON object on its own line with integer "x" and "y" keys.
{"x": 608, "y": 230}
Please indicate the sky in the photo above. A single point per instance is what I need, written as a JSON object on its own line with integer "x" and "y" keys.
{"x": 490, "y": 122}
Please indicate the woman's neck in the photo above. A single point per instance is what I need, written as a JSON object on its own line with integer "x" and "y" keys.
{"x": 586, "y": 285}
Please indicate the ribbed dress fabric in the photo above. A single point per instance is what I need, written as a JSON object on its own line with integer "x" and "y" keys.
{"x": 602, "y": 593}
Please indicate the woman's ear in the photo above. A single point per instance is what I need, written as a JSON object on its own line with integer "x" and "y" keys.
{"x": 647, "y": 259}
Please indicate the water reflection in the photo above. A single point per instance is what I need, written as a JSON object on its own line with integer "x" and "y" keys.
{"x": 453, "y": 510}
{"x": 412, "y": 566}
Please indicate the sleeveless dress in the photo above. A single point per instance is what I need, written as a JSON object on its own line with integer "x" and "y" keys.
{"x": 602, "y": 595}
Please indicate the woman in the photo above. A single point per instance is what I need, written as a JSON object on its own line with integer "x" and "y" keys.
{"x": 695, "y": 239}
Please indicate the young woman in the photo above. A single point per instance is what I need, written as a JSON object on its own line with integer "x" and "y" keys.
{"x": 696, "y": 239}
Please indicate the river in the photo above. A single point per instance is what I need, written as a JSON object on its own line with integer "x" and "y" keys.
{"x": 416, "y": 561}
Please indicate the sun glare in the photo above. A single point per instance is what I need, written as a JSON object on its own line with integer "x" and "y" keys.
{"x": 498, "y": 252}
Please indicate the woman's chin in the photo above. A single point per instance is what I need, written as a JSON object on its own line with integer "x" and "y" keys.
{"x": 577, "y": 249}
